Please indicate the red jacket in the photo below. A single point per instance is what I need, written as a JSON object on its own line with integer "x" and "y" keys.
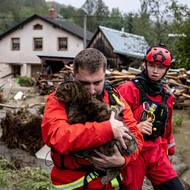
{"x": 66, "y": 139}
{"x": 131, "y": 94}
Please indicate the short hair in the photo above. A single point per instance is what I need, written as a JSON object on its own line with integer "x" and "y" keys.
{"x": 90, "y": 59}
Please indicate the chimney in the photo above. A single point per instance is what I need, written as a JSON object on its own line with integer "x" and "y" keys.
{"x": 52, "y": 13}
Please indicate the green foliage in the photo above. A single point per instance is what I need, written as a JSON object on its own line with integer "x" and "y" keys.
{"x": 24, "y": 179}
{"x": 35, "y": 179}
{"x": 181, "y": 27}
{"x": 14, "y": 11}
{"x": 25, "y": 81}
{"x": 67, "y": 12}
{"x": 115, "y": 20}
{"x": 6, "y": 172}
{"x": 183, "y": 46}
{"x": 101, "y": 10}
{"x": 1, "y": 87}
{"x": 177, "y": 121}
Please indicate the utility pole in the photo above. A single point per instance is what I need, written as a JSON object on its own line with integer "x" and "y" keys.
{"x": 85, "y": 28}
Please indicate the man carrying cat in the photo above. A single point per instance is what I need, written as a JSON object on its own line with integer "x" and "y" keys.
{"x": 65, "y": 139}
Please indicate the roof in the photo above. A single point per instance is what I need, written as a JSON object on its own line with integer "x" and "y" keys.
{"x": 56, "y": 22}
{"x": 54, "y": 57}
{"x": 125, "y": 43}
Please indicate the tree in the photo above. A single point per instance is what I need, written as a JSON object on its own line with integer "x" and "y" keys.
{"x": 129, "y": 22}
{"x": 180, "y": 40}
{"x": 159, "y": 15}
{"x": 101, "y": 10}
{"x": 89, "y": 7}
{"x": 182, "y": 46}
{"x": 14, "y": 11}
{"x": 142, "y": 23}
{"x": 68, "y": 12}
{"x": 115, "y": 20}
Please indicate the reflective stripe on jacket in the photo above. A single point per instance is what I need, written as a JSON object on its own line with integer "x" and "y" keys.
{"x": 75, "y": 184}
{"x": 80, "y": 182}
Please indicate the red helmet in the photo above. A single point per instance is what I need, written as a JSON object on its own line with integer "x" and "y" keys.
{"x": 159, "y": 55}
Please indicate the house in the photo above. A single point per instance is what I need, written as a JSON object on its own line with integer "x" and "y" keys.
{"x": 121, "y": 49}
{"x": 40, "y": 42}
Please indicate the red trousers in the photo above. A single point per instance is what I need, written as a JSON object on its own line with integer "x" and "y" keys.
{"x": 153, "y": 163}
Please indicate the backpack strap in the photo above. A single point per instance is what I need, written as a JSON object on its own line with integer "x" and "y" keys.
{"x": 143, "y": 95}
{"x": 113, "y": 94}
{"x": 109, "y": 89}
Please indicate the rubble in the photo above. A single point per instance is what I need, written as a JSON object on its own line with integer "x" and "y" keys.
{"x": 19, "y": 96}
{"x": 48, "y": 83}
{"x": 1, "y": 93}
{"x": 22, "y": 129}
{"x": 186, "y": 178}
{"x": 178, "y": 81}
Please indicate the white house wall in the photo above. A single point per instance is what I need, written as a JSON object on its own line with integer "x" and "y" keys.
{"x": 4, "y": 70}
{"x": 26, "y": 55}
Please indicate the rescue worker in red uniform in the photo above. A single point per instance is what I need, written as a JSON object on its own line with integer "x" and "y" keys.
{"x": 147, "y": 96}
{"x": 69, "y": 171}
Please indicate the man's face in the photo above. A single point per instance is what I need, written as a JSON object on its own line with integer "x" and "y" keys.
{"x": 156, "y": 71}
{"x": 93, "y": 82}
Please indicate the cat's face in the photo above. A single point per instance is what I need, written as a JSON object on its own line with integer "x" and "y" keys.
{"x": 68, "y": 90}
{"x": 72, "y": 92}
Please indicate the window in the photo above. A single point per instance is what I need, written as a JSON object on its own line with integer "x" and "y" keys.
{"x": 62, "y": 44}
{"x": 38, "y": 44}
{"x": 15, "y": 44}
{"x": 37, "y": 27}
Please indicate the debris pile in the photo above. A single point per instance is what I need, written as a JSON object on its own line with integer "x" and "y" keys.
{"x": 48, "y": 83}
{"x": 177, "y": 79}
{"x": 22, "y": 129}
{"x": 179, "y": 82}
{"x": 1, "y": 94}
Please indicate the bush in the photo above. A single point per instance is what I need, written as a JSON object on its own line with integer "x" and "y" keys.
{"x": 177, "y": 121}
{"x": 25, "y": 81}
{"x": 24, "y": 179}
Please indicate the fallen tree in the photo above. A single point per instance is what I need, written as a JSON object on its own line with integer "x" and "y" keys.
{"x": 22, "y": 129}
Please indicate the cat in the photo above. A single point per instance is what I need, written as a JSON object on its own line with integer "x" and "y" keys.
{"x": 83, "y": 107}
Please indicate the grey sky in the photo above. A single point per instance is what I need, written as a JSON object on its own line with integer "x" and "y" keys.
{"x": 123, "y": 5}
